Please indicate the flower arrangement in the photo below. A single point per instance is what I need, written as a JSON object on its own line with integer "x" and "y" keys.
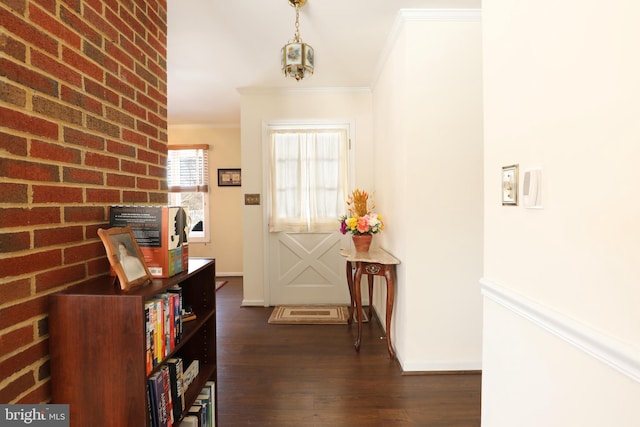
{"x": 360, "y": 219}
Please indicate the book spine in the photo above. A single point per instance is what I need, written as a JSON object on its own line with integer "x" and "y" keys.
{"x": 167, "y": 394}
{"x": 148, "y": 356}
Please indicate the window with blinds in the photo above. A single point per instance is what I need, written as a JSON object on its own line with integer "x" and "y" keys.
{"x": 188, "y": 183}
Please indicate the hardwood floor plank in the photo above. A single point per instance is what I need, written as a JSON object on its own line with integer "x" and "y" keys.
{"x": 311, "y": 376}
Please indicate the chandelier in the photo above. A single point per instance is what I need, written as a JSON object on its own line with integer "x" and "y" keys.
{"x": 297, "y": 56}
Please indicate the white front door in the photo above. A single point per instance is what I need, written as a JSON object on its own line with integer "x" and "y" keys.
{"x": 307, "y": 268}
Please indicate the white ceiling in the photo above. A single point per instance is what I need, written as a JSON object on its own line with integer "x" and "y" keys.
{"x": 217, "y": 47}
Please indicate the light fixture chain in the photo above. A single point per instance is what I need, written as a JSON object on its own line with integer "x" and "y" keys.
{"x": 297, "y": 34}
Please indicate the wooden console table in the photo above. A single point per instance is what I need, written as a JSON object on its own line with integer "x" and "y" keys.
{"x": 376, "y": 262}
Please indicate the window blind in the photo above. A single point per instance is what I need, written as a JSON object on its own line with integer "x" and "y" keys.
{"x": 188, "y": 168}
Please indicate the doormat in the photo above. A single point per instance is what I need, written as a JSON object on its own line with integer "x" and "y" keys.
{"x": 221, "y": 283}
{"x": 310, "y": 315}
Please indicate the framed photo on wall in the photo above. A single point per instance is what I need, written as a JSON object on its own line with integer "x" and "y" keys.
{"x": 125, "y": 256}
{"x": 229, "y": 178}
{"x": 510, "y": 185}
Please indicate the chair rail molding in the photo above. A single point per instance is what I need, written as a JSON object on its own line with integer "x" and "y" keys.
{"x": 617, "y": 355}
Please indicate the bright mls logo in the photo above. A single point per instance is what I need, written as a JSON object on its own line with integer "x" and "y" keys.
{"x": 34, "y": 415}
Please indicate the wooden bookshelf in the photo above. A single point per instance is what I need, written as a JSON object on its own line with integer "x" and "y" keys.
{"x": 97, "y": 345}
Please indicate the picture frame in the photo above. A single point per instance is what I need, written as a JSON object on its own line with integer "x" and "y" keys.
{"x": 125, "y": 257}
{"x": 510, "y": 185}
{"x": 229, "y": 177}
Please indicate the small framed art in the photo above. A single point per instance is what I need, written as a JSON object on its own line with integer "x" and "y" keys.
{"x": 229, "y": 178}
{"x": 510, "y": 185}
{"x": 125, "y": 256}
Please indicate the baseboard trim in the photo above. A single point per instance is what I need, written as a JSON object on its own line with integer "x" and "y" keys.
{"x": 423, "y": 373}
{"x": 605, "y": 349}
{"x": 440, "y": 367}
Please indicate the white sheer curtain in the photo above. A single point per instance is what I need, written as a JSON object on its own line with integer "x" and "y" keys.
{"x": 308, "y": 179}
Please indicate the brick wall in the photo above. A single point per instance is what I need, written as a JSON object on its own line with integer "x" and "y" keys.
{"x": 82, "y": 126}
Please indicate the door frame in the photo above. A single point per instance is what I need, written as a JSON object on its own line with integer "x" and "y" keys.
{"x": 266, "y": 190}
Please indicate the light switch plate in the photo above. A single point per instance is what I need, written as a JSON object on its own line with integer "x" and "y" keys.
{"x": 252, "y": 199}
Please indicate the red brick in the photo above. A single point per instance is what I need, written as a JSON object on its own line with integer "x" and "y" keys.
{"x": 158, "y": 96}
{"x": 12, "y": 47}
{"x": 146, "y": 101}
{"x": 133, "y": 167}
{"x": 82, "y": 176}
{"x": 13, "y": 144}
{"x": 152, "y": 56}
{"x": 158, "y": 198}
{"x": 84, "y": 213}
{"x": 102, "y": 161}
{"x": 134, "y": 137}
{"x": 17, "y": 387}
{"x": 160, "y": 147}
{"x": 16, "y": 120}
{"x": 18, "y": 26}
{"x": 102, "y": 126}
{"x": 54, "y": 152}
{"x": 57, "y": 236}
{"x": 147, "y": 184}
{"x": 91, "y": 231}
{"x": 147, "y": 129}
{"x": 73, "y": 4}
{"x": 28, "y": 356}
{"x": 56, "y": 68}
{"x": 119, "y": 116}
{"x": 15, "y": 339}
{"x": 79, "y": 25}
{"x": 160, "y": 172}
{"x": 80, "y": 253}
{"x": 113, "y": 4}
{"x": 116, "y": 147}
{"x": 57, "y": 194}
{"x": 13, "y": 242}
{"x": 97, "y": 195}
{"x": 97, "y": 267}
{"x": 158, "y": 69}
{"x": 13, "y": 193}
{"x": 98, "y": 55}
{"x": 132, "y": 49}
{"x": 34, "y": 261}
{"x": 53, "y": 26}
{"x": 106, "y": 26}
{"x": 157, "y": 121}
{"x": 118, "y": 54}
{"x": 82, "y": 64}
{"x": 120, "y": 86}
{"x": 56, "y": 110}
{"x": 120, "y": 181}
{"x": 19, "y": 6}
{"x": 134, "y": 108}
{"x": 60, "y": 276}
{"x": 13, "y": 94}
{"x": 80, "y": 99}
{"x": 131, "y": 21}
{"x": 134, "y": 197}
{"x": 147, "y": 156}
{"x": 19, "y": 169}
{"x": 23, "y": 217}
{"x": 29, "y": 78}
{"x": 102, "y": 92}
{"x": 13, "y": 291}
{"x": 78, "y": 137}
{"x": 49, "y": 5}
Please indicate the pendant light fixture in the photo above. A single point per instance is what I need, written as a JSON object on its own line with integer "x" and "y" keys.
{"x": 296, "y": 56}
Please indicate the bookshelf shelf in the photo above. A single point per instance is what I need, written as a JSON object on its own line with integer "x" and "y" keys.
{"x": 97, "y": 345}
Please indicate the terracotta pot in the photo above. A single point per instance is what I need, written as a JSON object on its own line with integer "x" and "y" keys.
{"x": 362, "y": 242}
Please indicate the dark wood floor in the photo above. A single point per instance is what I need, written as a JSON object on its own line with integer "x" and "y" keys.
{"x": 308, "y": 376}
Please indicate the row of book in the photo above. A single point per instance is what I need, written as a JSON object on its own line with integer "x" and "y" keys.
{"x": 163, "y": 315}
{"x": 166, "y": 396}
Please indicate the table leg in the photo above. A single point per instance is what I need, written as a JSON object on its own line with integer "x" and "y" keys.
{"x": 358, "y": 298}
{"x": 370, "y": 283}
{"x": 389, "y": 274}
{"x": 350, "y": 284}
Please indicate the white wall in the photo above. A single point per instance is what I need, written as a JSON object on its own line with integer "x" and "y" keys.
{"x": 428, "y": 148}
{"x": 225, "y": 207}
{"x": 260, "y": 107}
{"x": 561, "y": 93}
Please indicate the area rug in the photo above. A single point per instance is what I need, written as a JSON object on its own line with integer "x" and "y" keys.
{"x": 221, "y": 283}
{"x": 310, "y": 315}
